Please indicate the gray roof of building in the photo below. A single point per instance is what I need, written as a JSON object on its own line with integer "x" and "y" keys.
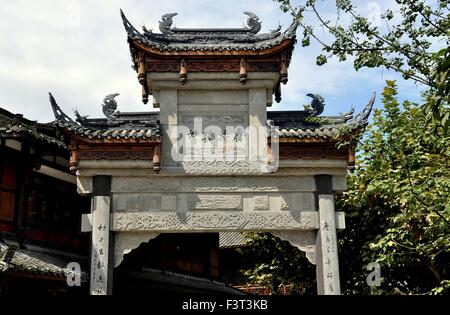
{"x": 25, "y": 261}
{"x": 231, "y": 239}
{"x": 179, "y": 40}
{"x": 139, "y": 126}
{"x": 16, "y": 126}
{"x": 300, "y": 124}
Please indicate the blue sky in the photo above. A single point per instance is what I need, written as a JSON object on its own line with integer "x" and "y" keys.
{"x": 78, "y": 51}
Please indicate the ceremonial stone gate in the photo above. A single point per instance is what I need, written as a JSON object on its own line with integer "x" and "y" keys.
{"x": 213, "y": 159}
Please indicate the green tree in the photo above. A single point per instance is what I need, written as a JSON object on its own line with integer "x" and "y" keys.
{"x": 276, "y": 263}
{"x": 400, "y": 194}
{"x": 407, "y": 41}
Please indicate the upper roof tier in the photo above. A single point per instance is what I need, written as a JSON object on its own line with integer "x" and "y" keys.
{"x": 216, "y": 41}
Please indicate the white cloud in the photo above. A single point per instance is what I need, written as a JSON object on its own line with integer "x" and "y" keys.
{"x": 78, "y": 50}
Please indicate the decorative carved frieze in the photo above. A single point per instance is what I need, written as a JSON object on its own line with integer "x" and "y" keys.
{"x": 220, "y": 65}
{"x": 213, "y": 221}
{"x": 215, "y": 202}
{"x": 212, "y": 97}
{"x": 217, "y": 167}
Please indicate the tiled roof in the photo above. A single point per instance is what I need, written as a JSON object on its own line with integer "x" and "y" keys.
{"x": 15, "y": 126}
{"x": 298, "y": 125}
{"x": 231, "y": 239}
{"x": 34, "y": 263}
{"x": 137, "y": 126}
{"x": 180, "y": 40}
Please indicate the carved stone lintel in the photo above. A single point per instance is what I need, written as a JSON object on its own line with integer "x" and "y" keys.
{"x": 217, "y": 167}
{"x": 124, "y": 243}
{"x": 303, "y": 240}
{"x": 214, "y": 221}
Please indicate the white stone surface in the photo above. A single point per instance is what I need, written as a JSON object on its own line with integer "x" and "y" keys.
{"x": 100, "y": 245}
{"x": 326, "y": 248}
{"x": 84, "y": 185}
{"x": 213, "y": 221}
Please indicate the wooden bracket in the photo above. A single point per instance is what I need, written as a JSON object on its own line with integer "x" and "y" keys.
{"x": 73, "y": 162}
{"x": 157, "y": 158}
{"x": 283, "y": 69}
{"x": 183, "y": 71}
{"x": 242, "y": 71}
{"x": 142, "y": 77}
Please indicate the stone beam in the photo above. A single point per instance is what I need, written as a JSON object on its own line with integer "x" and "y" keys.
{"x": 215, "y": 221}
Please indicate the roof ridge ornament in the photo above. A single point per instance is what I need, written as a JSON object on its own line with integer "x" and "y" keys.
{"x": 109, "y": 106}
{"x": 317, "y": 104}
{"x": 166, "y": 23}
{"x": 363, "y": 116}
{"x": 60, "y": 116}
{"x": 253, "y": 23}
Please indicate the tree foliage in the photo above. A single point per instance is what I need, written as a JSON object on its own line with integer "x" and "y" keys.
{"x": 405, "y": 41}
{"x": 277, "y": 263}
{"x": 402, "y": 184}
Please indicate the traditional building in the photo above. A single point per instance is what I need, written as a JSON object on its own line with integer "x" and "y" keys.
{"x": 212, "y": 159}
{"x": 39, "y": 210}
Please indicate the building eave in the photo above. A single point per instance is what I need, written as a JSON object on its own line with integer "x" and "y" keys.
{"x": 89, "y": 134}
{"x": 347, "y": 129}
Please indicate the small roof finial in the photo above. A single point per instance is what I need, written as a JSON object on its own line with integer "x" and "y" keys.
{"x": 166, "y": 22}
{"x": 317, "y": 104}
{"x": 109, "y": 106}
{"x": 253, "y": 23}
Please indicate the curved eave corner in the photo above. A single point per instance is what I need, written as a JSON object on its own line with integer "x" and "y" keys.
{"x": 81, "y": 133}
{"x": 350, "y": 130}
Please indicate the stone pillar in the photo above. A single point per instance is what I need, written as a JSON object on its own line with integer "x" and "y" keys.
{"x": 101, "y": 262}
{"x": 257, "y": 120}
{"x": 327, "y": 269}
{"x": 168, "y": 102}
